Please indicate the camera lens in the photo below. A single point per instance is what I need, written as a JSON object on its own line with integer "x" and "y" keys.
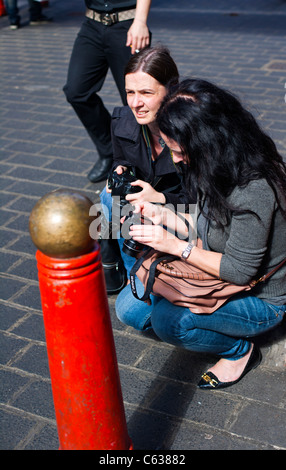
{"x": 132, "y": 248}
{"x": 120, "y": 185}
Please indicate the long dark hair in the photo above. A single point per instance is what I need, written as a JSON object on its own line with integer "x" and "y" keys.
{"x": 224, "y": 144}
{"x": 157, "y": 62}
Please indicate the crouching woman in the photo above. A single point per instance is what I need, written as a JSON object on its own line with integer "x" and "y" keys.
{"x": 240, "y": 179}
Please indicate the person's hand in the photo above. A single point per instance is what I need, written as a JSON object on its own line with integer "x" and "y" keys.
{"x": 152, "y": 232}
{"x": 155, "y": 236}
{"x": 137, "y": 36}
{"x": 151, "y": 212}
{"x": 119, "y": 170}
{"x": 148, "y": 194}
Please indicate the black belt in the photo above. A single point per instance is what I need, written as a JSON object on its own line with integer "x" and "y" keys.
{"x": 110, "y": 18}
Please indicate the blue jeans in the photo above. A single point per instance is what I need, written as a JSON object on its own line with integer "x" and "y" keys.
{"x": 225, "y": 332}
{"x": 35, "y": 9}
{"x": 106, "y": 201}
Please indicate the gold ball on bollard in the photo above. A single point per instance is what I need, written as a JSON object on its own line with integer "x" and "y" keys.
{"x": 59, "y": 224}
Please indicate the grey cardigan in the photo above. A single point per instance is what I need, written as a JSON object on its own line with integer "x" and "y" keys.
{"x": 252, "y": 246}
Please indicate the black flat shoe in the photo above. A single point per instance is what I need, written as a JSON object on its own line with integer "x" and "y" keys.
{"x": 209, "y": 381}
{"x": 100, "y": 170}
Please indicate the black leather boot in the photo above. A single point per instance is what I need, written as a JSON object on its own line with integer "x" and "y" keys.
{"x": 100, "y": 170}
{"x": 113, "y": 266}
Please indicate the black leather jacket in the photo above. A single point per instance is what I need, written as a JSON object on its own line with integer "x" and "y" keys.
{"x": 129, "y": 149}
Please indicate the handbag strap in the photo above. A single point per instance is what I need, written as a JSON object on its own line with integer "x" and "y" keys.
{"x": 266, "y": 276}
{"x": 152, "y": 274}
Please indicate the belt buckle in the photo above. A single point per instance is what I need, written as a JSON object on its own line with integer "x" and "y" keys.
{"x": 108, "y": 19}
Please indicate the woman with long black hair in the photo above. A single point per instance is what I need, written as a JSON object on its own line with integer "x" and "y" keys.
{"x": 240, "y": 179}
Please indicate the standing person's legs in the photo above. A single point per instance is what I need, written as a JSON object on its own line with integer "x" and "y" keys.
{"x": 35, "y": 10}
{"x": 36, "y": 15}
{"x": 117, "y": 53}
{"x": 117, "y": 56}
{"x": 87, "y": 71}
{"x": 12, "y": 12}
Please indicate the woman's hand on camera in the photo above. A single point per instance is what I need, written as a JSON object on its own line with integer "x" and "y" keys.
{"x": 148, "y": 194}
{"x": 149, "y": 211}
{"x": 158, "y": 238}
{"x": 119, "y": 170}
{"x": 154, "y": 235}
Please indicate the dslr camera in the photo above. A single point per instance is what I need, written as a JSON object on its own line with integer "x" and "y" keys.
{"x": 120, "y": 186}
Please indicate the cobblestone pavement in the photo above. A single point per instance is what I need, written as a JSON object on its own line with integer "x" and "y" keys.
{"x": 240, "y": 45}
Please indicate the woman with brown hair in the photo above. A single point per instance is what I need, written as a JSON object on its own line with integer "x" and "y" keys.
{"x": 137, "y": 144}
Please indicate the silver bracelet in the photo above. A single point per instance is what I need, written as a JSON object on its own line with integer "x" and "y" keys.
{"x": 187, "y": 251}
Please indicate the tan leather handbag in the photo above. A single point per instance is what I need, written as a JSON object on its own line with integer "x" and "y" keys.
{"x": 183, "y": 284}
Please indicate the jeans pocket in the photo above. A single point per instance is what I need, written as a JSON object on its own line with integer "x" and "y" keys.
{"x": 278, "y": 311}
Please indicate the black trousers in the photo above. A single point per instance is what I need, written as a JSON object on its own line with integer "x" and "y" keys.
{"x": 96, "y": 49}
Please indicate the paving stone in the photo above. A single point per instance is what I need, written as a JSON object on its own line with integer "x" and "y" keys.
{"x": 32, "y": 328}
{"x": 42, "y": 403}
{"x": 9, "y": 315}
{"x": 10, "y": 346}
{"x": 18, "y": 426}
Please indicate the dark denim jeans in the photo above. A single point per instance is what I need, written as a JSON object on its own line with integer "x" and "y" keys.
{"x": 226, "y": 332}
{"x": 35, "y": 9}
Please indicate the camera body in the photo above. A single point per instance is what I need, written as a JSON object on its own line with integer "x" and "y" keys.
{"x": 120, "y": 185}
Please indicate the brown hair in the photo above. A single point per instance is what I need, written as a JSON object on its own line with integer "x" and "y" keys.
{"x": 155, "y": 61}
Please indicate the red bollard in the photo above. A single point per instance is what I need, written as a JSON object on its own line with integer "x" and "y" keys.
{"x": 2, "y": 8}
{"x": 82, "y": 359}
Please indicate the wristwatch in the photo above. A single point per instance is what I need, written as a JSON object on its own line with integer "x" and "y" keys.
{"x": 187, "y": 251}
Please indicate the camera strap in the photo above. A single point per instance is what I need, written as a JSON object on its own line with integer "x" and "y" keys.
{"x": 148, "y": 145}
{"x": 150, "y": 282}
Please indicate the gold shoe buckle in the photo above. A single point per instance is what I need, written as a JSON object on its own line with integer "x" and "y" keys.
{"x": 209, "y": 380}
